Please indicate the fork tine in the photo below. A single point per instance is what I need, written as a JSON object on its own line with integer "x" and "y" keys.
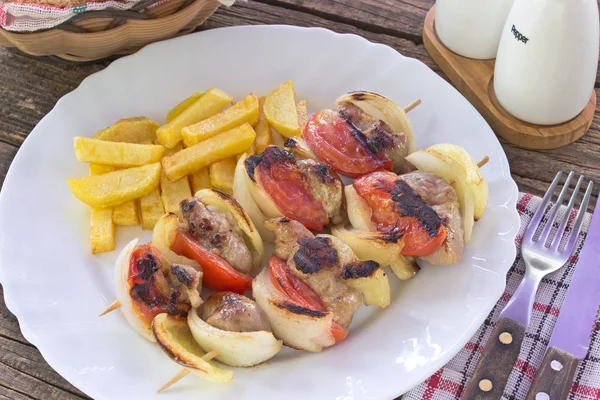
{"x": 552, "y": 215}
{"x": 539, "y": 214}
{"x": 579, "y": 221}
{"x": 555, "y": 244}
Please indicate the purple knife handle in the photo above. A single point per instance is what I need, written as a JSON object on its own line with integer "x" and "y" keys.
{"x": 521, "y": 304}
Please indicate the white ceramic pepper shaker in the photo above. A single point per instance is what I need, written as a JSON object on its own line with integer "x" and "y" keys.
{"x": 547, "y": 60}
{"x": 471, "y": 28}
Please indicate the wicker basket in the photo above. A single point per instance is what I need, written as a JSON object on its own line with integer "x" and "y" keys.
{"x": 95, "y": 35}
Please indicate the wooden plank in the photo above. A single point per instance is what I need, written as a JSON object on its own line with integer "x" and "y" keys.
{"x": 255, "y": 13}
{"x": 402, "y": 18}
{"x": 23, "y": 370}
{"x": 9, "y": 394}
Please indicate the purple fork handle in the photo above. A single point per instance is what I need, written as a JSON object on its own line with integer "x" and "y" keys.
{"x": 555, "y": 375}
{"x": 496, "y": 363}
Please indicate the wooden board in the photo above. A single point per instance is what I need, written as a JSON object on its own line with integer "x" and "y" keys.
{"x": 474, "y": 80}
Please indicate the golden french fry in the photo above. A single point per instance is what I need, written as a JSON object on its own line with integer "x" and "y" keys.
{"x": 224, "y": 145}
{"x": 115, "y": 188}
{"x": 280, "y": 110}
{"x": 116, "y": 153}
{"x": 129, "y": 130}
{"x": 175, "y": 149}
{"x": 126, "y": 214}
{"x": 151, "y": 208}
{"x": 102, "y": 227}
{"x": 262, "y": 128}
{"x": 102, "y": 230}
{"x": 302, "y": 114}
{"x": 172, "y": 193}
{"x": 206, "y": 106}
{"x": 221, "y": 174}
{"x": 182, "y": 106}
{"x": 200, "y": 180}
{"x": 99, "y": 169}
{"x": 246, "y": 110}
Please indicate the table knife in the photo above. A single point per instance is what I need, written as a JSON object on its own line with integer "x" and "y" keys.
{"x": 571, "y": 336}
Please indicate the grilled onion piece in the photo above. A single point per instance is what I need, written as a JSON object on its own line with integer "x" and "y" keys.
{"x": 176, "y": 340}
{"x": 237, "y": 349}
{"x": 242, "y": 191}
{"x": 475, "y": 181}
{"x": 384, "y": 109}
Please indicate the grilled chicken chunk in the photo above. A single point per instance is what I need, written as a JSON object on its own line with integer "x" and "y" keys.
{"x": 441, "y": 197}
{"x": 217, "y": 231}
{"x": 234, "y": 313}
{"x": 287, "y": 232}
{"x": 316, "y": 262}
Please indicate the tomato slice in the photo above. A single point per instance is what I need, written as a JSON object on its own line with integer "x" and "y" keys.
{"x": 286, "y": 184}
{"x": 397, "y": 207}
{"x": 300, "y": 293}
{"x": 149, "y": 301}
{"x": 339, "y": 144}
{"x": 218, "y": 274}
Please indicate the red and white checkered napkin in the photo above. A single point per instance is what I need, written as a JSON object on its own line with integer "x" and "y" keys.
{"x": 449, "y": 382}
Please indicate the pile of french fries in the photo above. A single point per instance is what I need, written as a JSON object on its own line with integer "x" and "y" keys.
{"x": 140, "y": 170}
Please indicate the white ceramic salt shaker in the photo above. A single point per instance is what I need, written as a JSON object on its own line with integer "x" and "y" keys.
{"x": 471, "y": 28}
{"x": 547, "y": 60}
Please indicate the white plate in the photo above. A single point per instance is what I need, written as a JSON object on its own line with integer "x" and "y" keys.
{"x": 56, "y": 287}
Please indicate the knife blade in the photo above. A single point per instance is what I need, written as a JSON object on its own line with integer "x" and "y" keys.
{"x": 570, "y": 339}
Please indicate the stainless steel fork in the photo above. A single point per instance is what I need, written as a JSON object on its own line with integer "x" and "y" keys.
{"x": 543, "y": 254}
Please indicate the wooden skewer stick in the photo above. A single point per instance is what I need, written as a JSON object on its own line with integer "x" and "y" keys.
{"x": 116, "y": 304}
{"x": 184, "y": 372}
{"x": 412, "y": 105}
{"x": 180, "y": 375}
{"x": 483, "y": 161}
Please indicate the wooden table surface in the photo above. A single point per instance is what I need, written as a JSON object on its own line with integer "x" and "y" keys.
{"x": 29, "y": 88}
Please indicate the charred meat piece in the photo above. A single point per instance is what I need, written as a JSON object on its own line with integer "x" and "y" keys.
{"x": 158, "y": 288}
{"x": 217, "y": 231}
{"x": 287, "y": 232}
{"x": 441, "y": 197}
{"x": 317, "y": 263}
{"x": 378, "y": 136}
{"x": 234, "y": 313}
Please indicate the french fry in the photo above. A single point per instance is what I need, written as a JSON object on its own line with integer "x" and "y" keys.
{"x": 302, "y": 114}
{"x": 116, "y": 153}
{"x": 246, "y": 110}
{"x": 206, "y": 106}
{"x": 280, "y": 110}
{"x": 126, "y": 214}
{"x": 99, "y": 169}
{"x": 102, "y": 230}
{"x": 262, "y": 128}
{"x": 224, "y": 145}
{"x": 277, "y": 139}
{"x": 129, "y": 130}
{"x": 172, "y": 193}
{"x": 200, "y": 180}
{"x": 182, "y": 106}
{"x": 151, "y": 208}
{"x": 221, "y": 174}
{"x": 115, "y": 188}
